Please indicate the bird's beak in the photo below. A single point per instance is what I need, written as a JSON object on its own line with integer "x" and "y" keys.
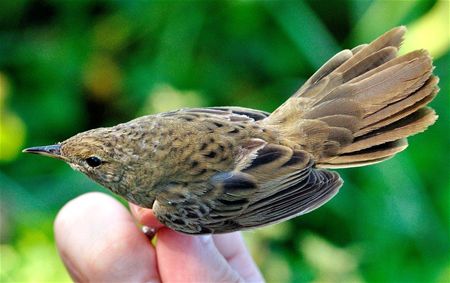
{"x": 53, "y": 151}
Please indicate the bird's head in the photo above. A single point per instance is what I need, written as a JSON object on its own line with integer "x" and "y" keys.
{"x": 98, "y": 153}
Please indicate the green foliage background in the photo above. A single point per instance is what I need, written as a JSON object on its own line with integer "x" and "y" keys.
{"x": 68, "y": 66}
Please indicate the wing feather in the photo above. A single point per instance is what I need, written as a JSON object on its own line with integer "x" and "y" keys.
{"x": 277, "y": 184}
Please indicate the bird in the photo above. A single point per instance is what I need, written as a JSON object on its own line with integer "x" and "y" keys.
{"x": 224, "y": 169}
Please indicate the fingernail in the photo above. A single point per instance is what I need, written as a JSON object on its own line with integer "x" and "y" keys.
{"x": 135, "y": 208}
{"x": 205, "y": 239}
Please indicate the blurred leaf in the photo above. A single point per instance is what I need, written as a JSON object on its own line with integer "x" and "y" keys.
{"x": 165, "y": 98}
{"x": 331, "y": 263}
{"x": 386, "y": 15}
{"x": 306, "y": 31}
{"x": 277, "y": 270}
{"x": 102, "y": 77}
{"x": 12, "y": 129}
{"x": 431, "y": 32}
{"x": 12, "y": 136}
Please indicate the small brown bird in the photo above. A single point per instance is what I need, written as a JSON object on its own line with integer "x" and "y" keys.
{"x": 222, "y": 169}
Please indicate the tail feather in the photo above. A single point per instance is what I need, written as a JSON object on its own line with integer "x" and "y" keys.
{"x": 412, "y": 124}
{"x": 392, "y": 38}
{"x": 360, "y": 107}
{"x": 400, "y": 109}
{"x": 368, "y": 156}
{"x": 370, "y": 62}
{"x": 341, "y": 120}
{"x": 358, "y": 48}
{"x": 386, "y": 85}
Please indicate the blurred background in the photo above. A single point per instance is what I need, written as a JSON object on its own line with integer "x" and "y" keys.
{"x": 68, "y": 66}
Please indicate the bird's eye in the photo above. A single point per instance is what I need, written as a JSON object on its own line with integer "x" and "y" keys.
{"x": 93, "y": 161}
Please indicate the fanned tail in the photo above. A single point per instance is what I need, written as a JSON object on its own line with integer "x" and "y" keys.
{"x": 360, "y": 107}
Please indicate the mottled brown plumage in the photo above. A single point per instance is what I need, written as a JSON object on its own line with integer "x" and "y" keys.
{"x": 215, "y": 170}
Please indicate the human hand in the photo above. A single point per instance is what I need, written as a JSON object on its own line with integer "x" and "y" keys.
{"x": 98, "y": 240}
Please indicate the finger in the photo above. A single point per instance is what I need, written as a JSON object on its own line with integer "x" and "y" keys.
{"x": 184, "y": 258}
{"x": 231, "y": 246}
{"x": 233, "y": 249}
{"x": 99, "y": 241}
{"x": 145, "y": 216}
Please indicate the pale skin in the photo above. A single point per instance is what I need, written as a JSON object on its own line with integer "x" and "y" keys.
{"x": 99, "y": 241}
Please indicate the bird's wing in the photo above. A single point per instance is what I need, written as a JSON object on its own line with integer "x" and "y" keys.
{"x": 271, "y": 184}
